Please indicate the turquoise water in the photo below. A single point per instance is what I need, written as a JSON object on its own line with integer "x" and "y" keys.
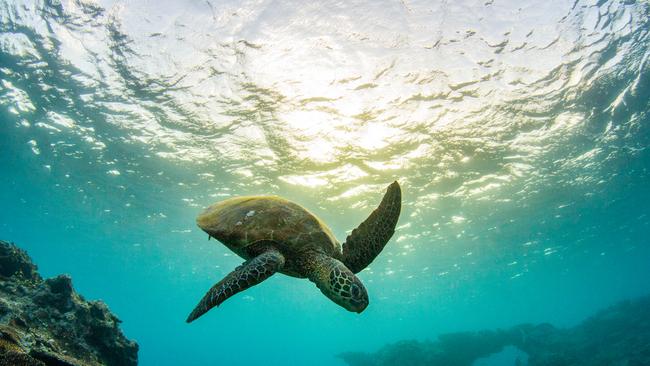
{"x": 519, "y": 132}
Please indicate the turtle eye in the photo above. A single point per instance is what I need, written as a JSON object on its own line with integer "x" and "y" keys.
{"x": 355, "y": 290}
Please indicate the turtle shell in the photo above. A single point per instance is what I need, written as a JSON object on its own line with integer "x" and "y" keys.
{"x": 242, "y": 221}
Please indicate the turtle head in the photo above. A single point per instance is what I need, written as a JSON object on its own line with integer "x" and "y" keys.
{"x": 347, "y": 290}
{"x": 340, "y": 285}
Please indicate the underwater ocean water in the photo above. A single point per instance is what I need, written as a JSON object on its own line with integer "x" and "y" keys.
{"x": 518, "y": 130}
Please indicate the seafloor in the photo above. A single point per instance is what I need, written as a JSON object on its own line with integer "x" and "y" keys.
{"x": 616, "y": 336}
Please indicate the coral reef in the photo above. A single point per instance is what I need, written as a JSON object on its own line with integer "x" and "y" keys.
{"x": 619, "y": 335}
{"x": 46, "y": 323}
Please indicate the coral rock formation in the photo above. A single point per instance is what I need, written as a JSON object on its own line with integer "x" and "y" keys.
{"x": 619, "y": 335}
{"x": 46, "y": 323}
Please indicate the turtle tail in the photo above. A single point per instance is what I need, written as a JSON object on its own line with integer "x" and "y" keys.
{"x": 368, "y": 240}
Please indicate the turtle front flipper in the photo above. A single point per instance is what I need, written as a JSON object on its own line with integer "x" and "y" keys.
{"x": 249, "y": 274}
{"x": 367, "y": 241}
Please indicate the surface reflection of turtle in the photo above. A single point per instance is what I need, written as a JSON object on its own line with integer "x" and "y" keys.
{"x": 276, "y": 235}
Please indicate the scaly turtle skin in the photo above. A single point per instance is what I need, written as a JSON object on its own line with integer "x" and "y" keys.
{"x": 276, "y": 235}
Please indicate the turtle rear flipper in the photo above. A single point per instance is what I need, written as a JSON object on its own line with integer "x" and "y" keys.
{"x": 247, "y": 275}
{"x": 367, "y": 241}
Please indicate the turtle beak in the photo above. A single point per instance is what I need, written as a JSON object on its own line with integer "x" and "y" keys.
{"x": 359, "y": 302}
{"x": 358, "y": 306}
{"x": 360, "y": 309}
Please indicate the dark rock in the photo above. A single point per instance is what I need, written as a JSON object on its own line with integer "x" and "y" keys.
{"x": 15, "y": 262}
{"x": 619, "y": 335}
{"x": 46, "y": 323}
{"x": 56, "y": 292}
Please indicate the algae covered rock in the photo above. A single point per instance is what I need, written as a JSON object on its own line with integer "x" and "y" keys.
{"x": 618, "y": 335}
{"x": 14, "y": 262}
{"x": 452, "y": 349}
{"x": 45, "y": 322}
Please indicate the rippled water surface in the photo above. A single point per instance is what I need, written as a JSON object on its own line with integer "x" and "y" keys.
{"x": 519, "y": 131}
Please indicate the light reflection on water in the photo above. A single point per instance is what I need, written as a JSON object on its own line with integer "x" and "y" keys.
{"x": 385, "y": 87}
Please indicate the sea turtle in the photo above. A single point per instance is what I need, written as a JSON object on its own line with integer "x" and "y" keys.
{"x": 276, "y": 235}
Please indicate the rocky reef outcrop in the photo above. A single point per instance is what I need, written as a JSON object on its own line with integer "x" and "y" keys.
{"x": 616, "y": 336}
{"x": 45, "y": 322}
